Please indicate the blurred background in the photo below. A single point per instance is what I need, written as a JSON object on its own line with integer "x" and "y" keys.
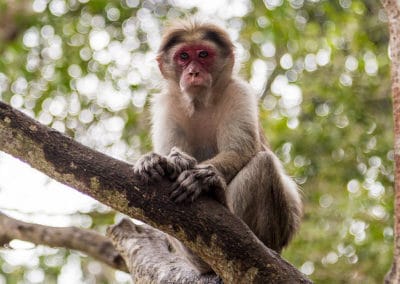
{"x": 321, "y": 68}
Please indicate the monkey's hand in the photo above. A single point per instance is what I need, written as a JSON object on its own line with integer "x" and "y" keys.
{"x": 153, "y": 167}
{"x": 201, "y": 179}
{"x": 181, "y": 162}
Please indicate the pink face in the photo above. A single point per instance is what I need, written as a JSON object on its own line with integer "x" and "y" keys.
{"x": 195, "y": 63}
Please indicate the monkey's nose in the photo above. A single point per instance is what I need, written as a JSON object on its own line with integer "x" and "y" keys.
{"x": 194, "y": 73}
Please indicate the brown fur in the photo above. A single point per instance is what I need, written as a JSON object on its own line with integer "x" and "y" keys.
{"x": 219, "y": 127}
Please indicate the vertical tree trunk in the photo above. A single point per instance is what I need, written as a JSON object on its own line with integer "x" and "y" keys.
{"x": 392, "y": 8}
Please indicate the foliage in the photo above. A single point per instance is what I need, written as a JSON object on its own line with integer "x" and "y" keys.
{"x": 87, "y": 68}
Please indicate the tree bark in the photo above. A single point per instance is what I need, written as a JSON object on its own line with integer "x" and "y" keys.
{"x": 206, "y": 227}
{"x": 87, "y": 241}
{"x": 393, "y": 14}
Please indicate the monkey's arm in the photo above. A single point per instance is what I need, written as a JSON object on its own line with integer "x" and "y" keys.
{"x": 229, "y": 162}
{"x": 238, "y": 142}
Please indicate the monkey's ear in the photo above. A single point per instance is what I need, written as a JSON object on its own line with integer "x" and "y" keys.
{"x": 160, "y": 62}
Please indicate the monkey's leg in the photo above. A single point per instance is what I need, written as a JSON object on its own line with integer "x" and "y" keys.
{"x": 266, "y": 199}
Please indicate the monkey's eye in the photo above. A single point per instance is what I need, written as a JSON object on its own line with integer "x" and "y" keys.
{"x": 203, "y": 54}
{"x": 184, "y": 55}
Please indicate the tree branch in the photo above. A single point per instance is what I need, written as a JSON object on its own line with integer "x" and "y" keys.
{"x": 206, "y": 227}
{"x": 87, "y": 241}
{"x": 146, "y": 250}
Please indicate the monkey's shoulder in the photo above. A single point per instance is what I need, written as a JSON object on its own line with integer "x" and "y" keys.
{"x": 239, "y": 97}
{"x": 242, "y": 89}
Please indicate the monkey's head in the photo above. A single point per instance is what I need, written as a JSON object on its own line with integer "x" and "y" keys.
{"x": 195, "y": 56}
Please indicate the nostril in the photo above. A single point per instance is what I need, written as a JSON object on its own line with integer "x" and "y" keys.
{"x": 194, "y": 74}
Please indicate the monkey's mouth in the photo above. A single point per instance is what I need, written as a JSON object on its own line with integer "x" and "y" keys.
{"x": 195, "y": 81}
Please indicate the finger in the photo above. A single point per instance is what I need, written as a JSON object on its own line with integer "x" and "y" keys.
{"x": 155, "y": 175}
{"x": 194, "y": 197}
{"x": 188, "y": 181}
{"x": 195, "y": 190}
{"x": 177, "y": 193}
{"x": 173, "y": 187}
{"x": 159, "y": 169}
{"x": 183, "y": 196}
{"x": 176, "y": 189}
{"x": 144, "y": 177}
{"x": 147, "y": 166}
{"x": 171, "y": 169}
{"x": 183, "y": 176}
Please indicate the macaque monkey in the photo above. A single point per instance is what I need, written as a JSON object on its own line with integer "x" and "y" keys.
{"x": 207, "y": 138}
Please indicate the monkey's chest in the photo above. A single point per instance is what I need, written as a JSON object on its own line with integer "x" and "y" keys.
{"x": 201, "y": 138}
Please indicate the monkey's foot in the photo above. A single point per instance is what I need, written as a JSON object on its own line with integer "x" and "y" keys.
{"x": 191, "y": 183}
